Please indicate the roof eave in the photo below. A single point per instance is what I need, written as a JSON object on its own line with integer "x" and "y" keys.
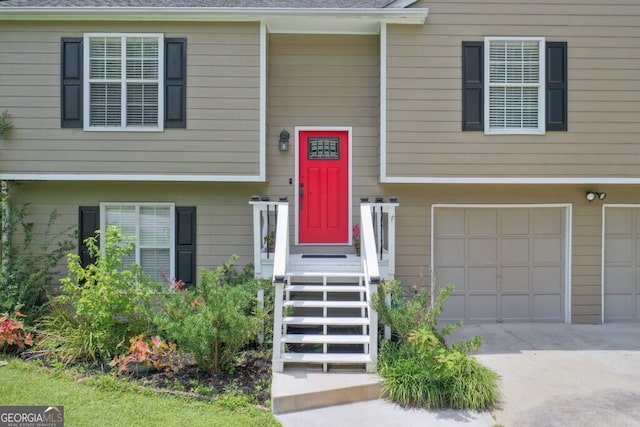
{"x": 190, "y": 14}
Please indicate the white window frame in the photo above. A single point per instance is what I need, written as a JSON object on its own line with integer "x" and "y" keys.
{"x": 172, "y": 209}
{"x": 123, "y": 80}
{"x": 540, "y": 130}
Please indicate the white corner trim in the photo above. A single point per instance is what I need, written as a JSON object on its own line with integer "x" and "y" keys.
{"x": 383, "y": 103}
{"x": 263, "y": 102}
{"x": 128, "y": 177}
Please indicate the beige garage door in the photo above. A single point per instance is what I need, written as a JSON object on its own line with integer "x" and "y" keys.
{"x": 621, "y": 264}
{"x": 506, "y": 264}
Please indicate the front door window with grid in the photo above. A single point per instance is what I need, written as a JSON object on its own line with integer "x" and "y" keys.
{"x": 123, "y": 90}
{"x": 514, "y": 93}
{"x": 153, "y": 227}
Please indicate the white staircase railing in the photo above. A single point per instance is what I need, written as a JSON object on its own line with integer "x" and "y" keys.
{"x": 383, "y": 222}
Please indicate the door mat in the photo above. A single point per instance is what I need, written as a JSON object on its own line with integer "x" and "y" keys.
{"x": 324, "y": 256}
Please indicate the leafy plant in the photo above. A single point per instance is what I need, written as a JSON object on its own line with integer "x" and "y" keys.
{"x": 30, "y": 263}
{"x": 419, "y": 368}
{"x": 142, "y": 350}
{"x": 13, "y": 335}
{"x": 101, "y": 304}
{"x": 216, "y": 318}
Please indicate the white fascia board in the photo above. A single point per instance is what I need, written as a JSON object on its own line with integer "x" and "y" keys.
{"x": 128, "y": 177}
{"x": 277, "y": 19}
{"x": 511, "y": 180}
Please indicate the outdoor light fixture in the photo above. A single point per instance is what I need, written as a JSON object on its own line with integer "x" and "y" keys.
{"x": 283, "y": 144}
{"x": 592, "y": 195}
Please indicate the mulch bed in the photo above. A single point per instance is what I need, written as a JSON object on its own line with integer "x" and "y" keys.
{"x": 250, "y": 375}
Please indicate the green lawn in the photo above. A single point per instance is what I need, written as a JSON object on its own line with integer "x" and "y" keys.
{"x": 104, "y": 401}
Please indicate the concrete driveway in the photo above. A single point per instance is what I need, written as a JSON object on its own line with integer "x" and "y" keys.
{"x": 563, "y": 375}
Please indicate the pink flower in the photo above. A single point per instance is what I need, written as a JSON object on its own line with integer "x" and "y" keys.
{"x": 356, "y": 231}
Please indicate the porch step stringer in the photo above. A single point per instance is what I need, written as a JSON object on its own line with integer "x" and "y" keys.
{"x": 325, "y": 321}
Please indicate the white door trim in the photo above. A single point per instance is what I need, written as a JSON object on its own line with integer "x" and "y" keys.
{"x": 567, "y": 250}
{"x": 297, "y": 130}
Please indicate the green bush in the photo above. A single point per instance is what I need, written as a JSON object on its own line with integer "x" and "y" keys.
{"x": 419, "y": 369}
{"x": 29, "y": 272}
{"x": 101, "y": 304}
{"x": 216, "y": 318}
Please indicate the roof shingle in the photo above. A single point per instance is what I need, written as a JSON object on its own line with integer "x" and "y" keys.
{"x": 259, "y": 4}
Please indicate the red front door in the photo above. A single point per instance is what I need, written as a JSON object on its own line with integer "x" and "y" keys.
{"x": 323, "y": 186}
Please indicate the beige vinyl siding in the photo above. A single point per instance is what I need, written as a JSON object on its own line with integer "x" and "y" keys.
{"x": 424, "y": 136}
{"x": 323, "y": 80}
{"x": 224, "y": 217}
{"x": 223, "y": 116}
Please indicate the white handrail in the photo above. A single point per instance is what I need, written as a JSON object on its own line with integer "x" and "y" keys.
{"x": 371, "y": 278}
{"x": 280, "y": 266}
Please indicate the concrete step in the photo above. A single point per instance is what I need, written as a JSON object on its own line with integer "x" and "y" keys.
{"x": 325, "y": 339}
{"x": 298, "y": 388}
{"x": 326, "y": 304}
{"x": 330, "y": 321}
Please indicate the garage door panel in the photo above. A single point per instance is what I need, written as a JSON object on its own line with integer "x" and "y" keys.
{"x": 482, "y": 307}
{"x": 515, "y": 307}
{"x": 515, "y": 279}
{"x": 482, "y": 279}
{"x": 618, "y": 308}
{"x": 514, "y": 250}
{"x": 547, "y": 221}
{"x": 620, "y": 279}
{"x": 450, "y": 252}
{"x": 483, "y": 251}
{"x": 482, "y": 222}
{"x": 547, "y": 279}
{"x": 547, "y": 307}
{"x": 619, "y": 221}
{"x": 547, "y": 250}
{"x": 618, "y": 250}
{"x": 450, "y": 222}
{"x": 453, "y": 275}
{"x": 515, "y": 221}
{"x": 452, "y": 306}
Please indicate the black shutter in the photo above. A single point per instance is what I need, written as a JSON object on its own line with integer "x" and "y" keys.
{"x": 88, "y": 223}
{"x": 472, "y": 85}
{"x": 71, "y": 82}
{"x": 175, "y": 95}
{"x": 556, "y": 86}
{"x": 186, "y": 244}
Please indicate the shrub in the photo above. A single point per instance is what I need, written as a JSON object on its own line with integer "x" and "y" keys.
{"x": 13, "y": 335}
{"x": 26, "y": 281}
{"x": 419, "y": 369}
{"x": 101, "y": 304}
{"x": 216, "y": 318}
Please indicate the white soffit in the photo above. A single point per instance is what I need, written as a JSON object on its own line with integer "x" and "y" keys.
{"x": 278, "y": 20}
